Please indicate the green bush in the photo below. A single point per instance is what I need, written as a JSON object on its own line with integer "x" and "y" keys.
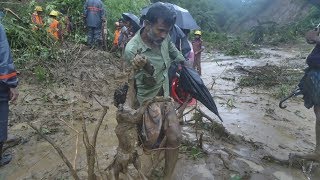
{"x": 232, "y": 46}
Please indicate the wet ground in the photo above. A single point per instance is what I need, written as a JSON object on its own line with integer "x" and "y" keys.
{"x": 258, "y": 128}
{"x": 253, "y": 114}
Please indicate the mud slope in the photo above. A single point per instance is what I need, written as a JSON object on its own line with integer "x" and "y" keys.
{"x": 279, "y": 11}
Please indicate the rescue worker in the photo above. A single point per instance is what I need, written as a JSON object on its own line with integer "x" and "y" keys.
{"x": 8, "y": 91}
{"x": 197, "y": 48}
{"x": 94, "y": 15}
{"x": 152, "y": 45}
{"x": 36, "y": 18}
{"x": 115, "y": 44}
{"x": 54, "y": 28}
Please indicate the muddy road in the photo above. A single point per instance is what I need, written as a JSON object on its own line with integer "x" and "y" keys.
{"x": 255, "y": 127}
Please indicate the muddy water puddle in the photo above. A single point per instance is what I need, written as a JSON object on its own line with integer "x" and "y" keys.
{"x": 60, "y": 118}
{"x": 253, "y": 114}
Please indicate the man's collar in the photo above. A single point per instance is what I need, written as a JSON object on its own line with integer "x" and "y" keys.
{"x": 144, "y": 46}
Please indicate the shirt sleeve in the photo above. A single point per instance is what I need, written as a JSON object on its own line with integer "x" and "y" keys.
{"x": 8, "y": 74}
{"x": 174, "y": 53}
{"x": 129, "y": 53}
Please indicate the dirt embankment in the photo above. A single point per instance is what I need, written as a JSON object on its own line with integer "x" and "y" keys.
{"x": 279, "y": 11}
{"x": 57, "y": 105}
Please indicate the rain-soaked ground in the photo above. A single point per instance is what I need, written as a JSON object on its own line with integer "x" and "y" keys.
{"x": 253, "y": 113}
{"x": 259, "y": 128}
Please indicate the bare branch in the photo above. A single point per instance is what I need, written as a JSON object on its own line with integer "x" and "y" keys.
{"x": 54, "y": 145}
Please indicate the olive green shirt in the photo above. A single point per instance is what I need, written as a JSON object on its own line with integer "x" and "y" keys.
{"x": 161, "y": 61}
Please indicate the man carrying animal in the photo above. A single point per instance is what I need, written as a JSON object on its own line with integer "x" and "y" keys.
{"x": 152, "y": 46}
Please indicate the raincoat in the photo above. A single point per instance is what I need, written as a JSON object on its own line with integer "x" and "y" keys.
{"x": 8, "y": 79}
{"x": 94, "y": 13}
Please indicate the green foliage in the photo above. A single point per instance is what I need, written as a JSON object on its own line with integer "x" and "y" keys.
{"x": 283, "y": 90}
{"x": 232, "y": 46}
{"x": 27, "y": 44}
{"x": 275, "y": 34}
{"x": 41, "y": 73}
{"x": 192, "y": 151}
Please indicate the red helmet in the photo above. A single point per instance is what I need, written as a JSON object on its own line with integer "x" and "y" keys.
{"x": 178, "y": 94}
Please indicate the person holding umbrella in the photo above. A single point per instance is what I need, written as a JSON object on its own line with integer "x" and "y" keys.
{"x": 152, "y": 46}
{"x": 131, "y": 22}
{"x": 309, "y": 87}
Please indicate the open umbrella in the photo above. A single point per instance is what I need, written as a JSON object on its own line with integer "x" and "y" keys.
{"x": 184, "y": 18}
{"x": 133, "y": 19}
{"x": 193, "y": 84}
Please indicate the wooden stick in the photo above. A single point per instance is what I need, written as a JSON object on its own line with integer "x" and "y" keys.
{"x": 91, "y": 146}
{"x": 53, "y": 144}
{"x": 77, "y": 142}
{"x": 205, "y": 115}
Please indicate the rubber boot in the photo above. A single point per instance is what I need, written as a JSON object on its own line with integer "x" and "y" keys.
{"x": 4, "y": 158}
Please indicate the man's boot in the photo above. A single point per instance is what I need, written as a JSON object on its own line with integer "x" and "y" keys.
{"x": 4, "y": 158}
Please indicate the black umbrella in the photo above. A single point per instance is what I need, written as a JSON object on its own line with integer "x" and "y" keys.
{"x": 192, "y": 83}
{"x": 135, "y": 21}
{"x": 184, "y": 18}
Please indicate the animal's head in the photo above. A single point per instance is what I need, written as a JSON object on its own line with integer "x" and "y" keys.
{"x": 120, "y": 95}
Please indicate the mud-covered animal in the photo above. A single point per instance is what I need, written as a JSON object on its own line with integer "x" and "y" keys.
{"x": 120, "y": 95}
{"x": 127, "y": 133}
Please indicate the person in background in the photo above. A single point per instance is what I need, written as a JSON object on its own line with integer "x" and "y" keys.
{"x": 37, "y": 18}
{"x": 123, "y": 35}
{"x": 117, "y": 32}
{"x": 310, "y": 88}
{"x": 8, "y": 91}
{"x": 180, "y": 40}
{"x": 190, "y": 57}
{"x": 95, "y": 16}
{"x": 54, "y": 28}
{"x": 197, "y": 48}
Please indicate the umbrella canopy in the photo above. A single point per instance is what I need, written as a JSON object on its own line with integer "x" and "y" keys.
{"x": 184, "y": 18}
{"x": 133, "y": 19}
{"x": 193, "y": 84}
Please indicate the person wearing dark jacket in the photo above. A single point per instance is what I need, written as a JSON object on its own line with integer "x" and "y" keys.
{"x": 94, "y": 14}
{"x": 310, "y": 88}
{"x": 180, "y": 40}
{"x": 8, "y": 84}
